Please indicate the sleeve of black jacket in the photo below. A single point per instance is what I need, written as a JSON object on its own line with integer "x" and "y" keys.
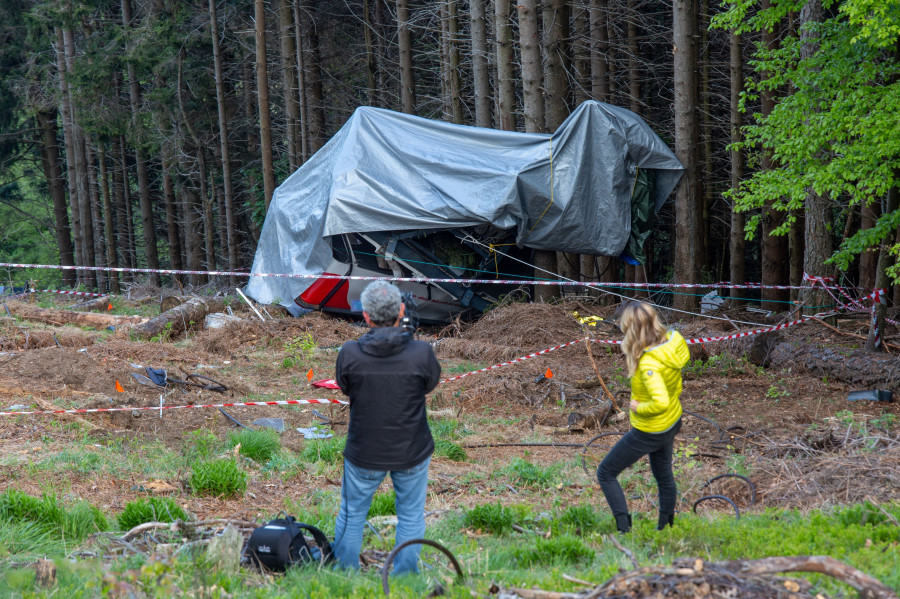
{"x": 388, "y": 422}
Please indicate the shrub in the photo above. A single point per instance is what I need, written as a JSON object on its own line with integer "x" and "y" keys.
{"x": 329, "y": 451}
{"x": 383, "y": 504}
{"x": 564, "y": 549}
{"x": 580, "y": 519}
{"x": 200, "y": 444}
{"x": 219, "y": 478}
{"x": 258, "y": 445}
{"x": 74, "y": 522}
{"x": 154, "y": 509}
{"x": 491, "y": 517}
{"x": 450, "y": 450}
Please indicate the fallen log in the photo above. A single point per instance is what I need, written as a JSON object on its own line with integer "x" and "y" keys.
{"x": 865, "y": 370}
{"x": 95, "y": 302}
{"x": 593, "y": 417}
{"x": 61, "y": 317}
{"x": 179, "y": 318}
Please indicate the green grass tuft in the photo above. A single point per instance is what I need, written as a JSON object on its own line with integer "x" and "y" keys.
{"x": 579, "y": 519}
{"x": 200, "y": 445}
{"x": 153, "y": 509}
{"x": 561, "y": 550}
{"x": 383, "y": 504}
{"x": 490, "y": 517}
{"x": 218, "y": 478}
{"x": 74, "y": 522}
{"x": 527, "y": 474}
{"x": 329, "y": 451}
{"x": 450, "y": 450}
{"x": 258, "y": 445}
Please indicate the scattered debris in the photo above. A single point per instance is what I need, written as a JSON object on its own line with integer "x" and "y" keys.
{"x": 274, "y": 423}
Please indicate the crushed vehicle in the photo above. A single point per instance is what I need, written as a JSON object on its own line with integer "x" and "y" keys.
{"x": 394, "y": 195}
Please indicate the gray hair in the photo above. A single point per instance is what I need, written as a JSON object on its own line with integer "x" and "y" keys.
{"x": 381, "y": 301}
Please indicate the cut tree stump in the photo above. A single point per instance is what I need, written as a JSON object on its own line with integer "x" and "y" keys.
{"x": 61, "y": 317}
{"x": 590, "y": 418}
{"x": 193, "y": 310}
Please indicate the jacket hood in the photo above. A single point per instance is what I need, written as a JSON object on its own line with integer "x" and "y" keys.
{"x": 384, "y": 341}
{"x": 673, "y": 353}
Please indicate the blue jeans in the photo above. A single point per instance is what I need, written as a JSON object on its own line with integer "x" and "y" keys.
{"x": 357, "y": 488}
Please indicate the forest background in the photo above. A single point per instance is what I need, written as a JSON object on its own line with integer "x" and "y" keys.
{"x": 151, "y": 133}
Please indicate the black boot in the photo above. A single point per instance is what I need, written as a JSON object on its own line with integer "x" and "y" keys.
{"x": 665, "y": 520}
{"x": 623, "y": 522}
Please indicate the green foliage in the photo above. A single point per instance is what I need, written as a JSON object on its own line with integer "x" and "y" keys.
{"x": 74, "y": 522}
{"x": 163, "y": 335}
{"x": 562, "y": 550}
{"x": 580, "y": 519}
{"x": 328, "y": 451}
{"x": 383, "y": 504}
{"x": 836, "y": 132}
{"x": 298, "y": 349}
{"x": 200, "y": 444}
{"x": 529, "y": 474}
{"x": 152, "y": 509}
{"x": 490, "y": 517}
{"x": 463, "y": 367}
{"x": 218, "y": 478}
{"x": 258, "y": 445}
{"x": 722, "y": 364}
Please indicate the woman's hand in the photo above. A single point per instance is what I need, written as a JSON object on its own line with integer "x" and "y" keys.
{"x": 634, "y": 405}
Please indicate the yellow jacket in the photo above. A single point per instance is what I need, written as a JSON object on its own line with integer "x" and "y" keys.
{"x": 656, "y": 385}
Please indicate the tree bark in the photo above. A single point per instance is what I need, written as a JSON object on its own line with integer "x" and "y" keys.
{"x": 69, "y": 142}
{"x": 289, "y": 83}
{"x": 372, "y": 84}
{"x": 46, "y": 123}
{"x": 737, "y": 241}
{"x": 174, "y": 235}
{"x": 224, "y": 149}
{"x": 480, "y": 77}
{"x": 868, "y": 260}
{"x": 634, "y": 75}
{"x": 581, "y": 55}
{"x": 874, "y": 342}
{"x": 404, "y": 46}
{"x": 506, "y": 86}
{"x": 774, "y": 250}
{"x": 124, "y": 221}
{"x": 171, "y": 322}
{"x": 108, "y": 222}
{"x": 57, "y": 317}
{"x": 262, "y": 98}
{"x": 530, "y": 50}
{"x": 599, "y": 50}
{"x": 453, "y": 57}
{"x": 689, "y": 192}
{"x": 301, "y": 85}
{"x": 315, "y": 94}
{"x": 94, "y": 207}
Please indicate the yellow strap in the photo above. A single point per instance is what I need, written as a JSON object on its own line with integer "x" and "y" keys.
{"x": 491, "y": 247}
{"x": 551, "y": 190}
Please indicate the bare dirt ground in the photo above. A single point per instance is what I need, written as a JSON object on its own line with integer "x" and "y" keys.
{"x": 795, "y": 440}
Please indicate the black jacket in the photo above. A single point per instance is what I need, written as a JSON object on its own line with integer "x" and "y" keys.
{"x": 387, "y": 374}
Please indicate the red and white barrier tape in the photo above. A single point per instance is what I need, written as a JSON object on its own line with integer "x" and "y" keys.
{"x": 404, "y": 279}
{"x": 516, "y": 360}
{"x": 286, "y": 402}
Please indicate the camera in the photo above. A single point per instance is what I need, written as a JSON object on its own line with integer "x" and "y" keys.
{"x": 410, "y": 320}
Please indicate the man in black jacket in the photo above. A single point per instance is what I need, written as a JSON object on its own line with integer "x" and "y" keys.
{"x": 386, "y": 374}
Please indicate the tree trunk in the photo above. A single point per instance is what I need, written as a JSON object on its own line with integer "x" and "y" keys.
{"x": 289, "y": 83}
{"x": 94, "y": 207}
{"x": 774, "y": 250}
{"x": 818, "y": 246}
{"x": 738, "y": 244}
{"x": 58, "y": 317}
{"x": 69, "y": 149}
{"x": 581, "y": 55}
{"x": 372, "y": 84}
{"x": 506, "y": 85}
{"x": 689, "y": 192}
{"x": 532, "y": 76}
{"x": 108, "y": 223}
{"x": 262, "y": 96}
{"x": 301, "y": 85}
{"x": 455, "y": 78}
{"x": 174, "y": 235}
{"x": 193, "y": 243}
{"x": 876, "y": 329}
{"x": 123, "y": 213}
{"x": 46, "y": 122}
{"x": 179, "y": 318}
{"x": 480, "y": 76}
{"x": 634, "y": 51}
{"x": 224, "y": 149}
{"x": 313, "y": 75}
{"x": 404, "y": 45}
{"x": 209, "y": 226}
{"x": 868, "y": 259}
{"x": 599, "y": 50}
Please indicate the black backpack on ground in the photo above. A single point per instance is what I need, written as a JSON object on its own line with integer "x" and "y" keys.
{"x": 281, "y": 543}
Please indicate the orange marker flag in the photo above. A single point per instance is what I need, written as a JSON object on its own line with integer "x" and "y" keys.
{"x": 309, "y": 375}
{"x": 549, "y": 374}
{"x": 119, "y": 387}
{"x": 109, "y": 306}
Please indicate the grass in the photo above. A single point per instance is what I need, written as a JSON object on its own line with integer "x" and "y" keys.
{"x": 48, "y": 516}
{"x": 383, "y": 504}
{"x": 490, "y": 517}
{"x": 258, "y": 445}
{"x": 218, "y": 478}
{"x": 531, "y": 475}
{"x": 153, "y": 509}
{"x": 329, "y": 451}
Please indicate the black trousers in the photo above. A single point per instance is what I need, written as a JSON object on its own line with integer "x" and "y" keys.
{"x": 631, "y": 447}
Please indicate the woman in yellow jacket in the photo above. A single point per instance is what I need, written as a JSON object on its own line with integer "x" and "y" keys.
{"x": 655, "y": 358}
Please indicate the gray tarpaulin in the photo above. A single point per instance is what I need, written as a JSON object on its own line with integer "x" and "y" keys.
{"x": 389, "y": 171}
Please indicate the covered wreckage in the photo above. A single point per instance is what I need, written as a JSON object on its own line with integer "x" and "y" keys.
{"x": 398, "y": 195}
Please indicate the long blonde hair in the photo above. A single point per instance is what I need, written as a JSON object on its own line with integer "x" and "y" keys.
{"x": 642, "y": 327}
